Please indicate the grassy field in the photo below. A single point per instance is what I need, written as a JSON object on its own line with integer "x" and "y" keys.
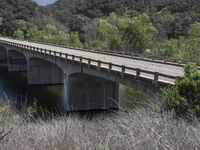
{"x": 143, "y": 129}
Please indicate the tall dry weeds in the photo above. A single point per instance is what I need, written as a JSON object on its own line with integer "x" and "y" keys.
{"x": 140, "y": 130}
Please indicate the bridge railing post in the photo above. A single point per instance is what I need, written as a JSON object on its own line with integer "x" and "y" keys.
{"x": 156, "y": 77}
{"x": 138, "y": 73}
{"x": 99, "y": 65}
{"x": 123, "y": 70}
{"x": 81, "y": 60}
{"x": 110, "y": 66}
{"x": 66, "y": 56}
{"x": 89, "y": 62}
{"x": 73, "y": 57}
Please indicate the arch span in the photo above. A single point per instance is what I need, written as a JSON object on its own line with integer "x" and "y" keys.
{"x": 3, "y": 54}
{"x": 43, "y": 72}
{"x": 87, "y": 92}
{"x": 17, "y": 61}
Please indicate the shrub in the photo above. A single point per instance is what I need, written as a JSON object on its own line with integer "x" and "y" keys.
{"x": 185, "y": 95}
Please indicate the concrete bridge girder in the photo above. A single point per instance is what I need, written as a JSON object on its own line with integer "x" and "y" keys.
{"x": 82, "y": 91}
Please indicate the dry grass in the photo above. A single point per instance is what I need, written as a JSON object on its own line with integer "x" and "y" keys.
{"x": 143, "y": 130}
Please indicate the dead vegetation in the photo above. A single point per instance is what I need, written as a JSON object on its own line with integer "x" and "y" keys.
{"x": 143, "y": 129}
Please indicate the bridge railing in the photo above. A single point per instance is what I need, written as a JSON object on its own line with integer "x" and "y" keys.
{"x": 127, "y": 54}
{"x": 101, "y": 65}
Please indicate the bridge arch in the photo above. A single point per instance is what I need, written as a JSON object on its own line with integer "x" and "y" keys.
{"x": 42, "y": 71}
{"x": 88, "y": 92}
{"x": 3, "y": 54}
{"x": 17, "y": 61}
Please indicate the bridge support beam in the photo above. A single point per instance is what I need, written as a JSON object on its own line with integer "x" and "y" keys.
{"x": 84, "y": 92}
{"x": 42, "y": 72}
{"x": 16, "y": 61}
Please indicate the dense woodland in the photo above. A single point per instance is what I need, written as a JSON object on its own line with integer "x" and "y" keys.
{"x": 164, "y": 28}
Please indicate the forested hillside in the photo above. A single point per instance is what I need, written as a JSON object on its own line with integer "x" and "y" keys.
{"x": 163, "y": 27}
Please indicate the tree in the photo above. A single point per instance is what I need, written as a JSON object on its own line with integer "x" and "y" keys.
{"x": 104, "y": 34}
{"x": 35, "y": 34}
{"x": 138, "y": 32}
{"x": 1, "y": 20}
{"x": 75, "y": 40}
{"x": 19, "y": 34}
{"x": 193, "y": 42}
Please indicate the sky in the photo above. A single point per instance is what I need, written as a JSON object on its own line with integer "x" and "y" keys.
{"x": 44, "y": 2}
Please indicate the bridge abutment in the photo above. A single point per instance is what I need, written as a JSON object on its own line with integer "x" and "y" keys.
{"x": 85, "y": 92}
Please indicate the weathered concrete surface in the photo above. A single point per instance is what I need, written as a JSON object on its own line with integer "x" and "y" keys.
{"x": 150, "y": 66}
{"x": 88, "y": 87}
{"x": 43, "y": 72}
{"x": 90, "y": 93}
{"x": 16, "y": 61}
{"x": 3, "y": 54}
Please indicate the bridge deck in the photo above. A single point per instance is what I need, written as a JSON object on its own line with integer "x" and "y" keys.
{"x": 167, "y": 69}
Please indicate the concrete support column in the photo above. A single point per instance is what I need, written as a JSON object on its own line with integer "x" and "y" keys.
{"x": 65, "y": 102}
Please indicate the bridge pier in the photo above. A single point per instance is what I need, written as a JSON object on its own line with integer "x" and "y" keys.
{"x": 85, "y": 92}
{"x": 16, "y": 61}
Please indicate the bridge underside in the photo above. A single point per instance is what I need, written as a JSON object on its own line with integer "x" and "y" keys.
{"x": 43, "y": 72}
{"x": 16, "y": 61}
{"x": 88, "y": 92}
{"x": 3, "y": 54}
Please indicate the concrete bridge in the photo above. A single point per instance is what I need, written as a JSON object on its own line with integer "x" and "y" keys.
{"x": 91, "y": 79}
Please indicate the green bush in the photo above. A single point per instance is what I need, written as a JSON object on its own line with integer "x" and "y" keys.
{"x": 185, "y": 95}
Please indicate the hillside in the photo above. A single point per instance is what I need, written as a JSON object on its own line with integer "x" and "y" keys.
{"x": 166, "y": 27}
{"x": 172, "y": 15}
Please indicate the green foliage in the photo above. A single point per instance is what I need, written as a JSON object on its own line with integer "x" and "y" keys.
{"x": 104, "y": 34}
{"x": 116, "y": 33}
{"x": 74, "y": 39}
{"x": 169, "y": 47}
{"x": 138, "y": 32}
{"x": 52, "y": 35}
{"x": 173, "y": 99}
{"x": 19, "y": 34}
{"x": 194, "y": 30}
{"x": 189, "y": 69}
{"x": 185, "y": 95}
{"x": 193, "y": 42}
{"x": 1, "y": 20}
{"x": 35, "y": 34}
{"x": 167, "y": 28}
